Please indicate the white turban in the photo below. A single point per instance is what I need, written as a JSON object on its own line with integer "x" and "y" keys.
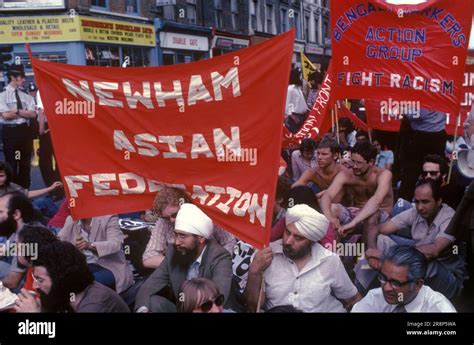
{"x": 192, "y": 220}
{"x": 309, "y": 222}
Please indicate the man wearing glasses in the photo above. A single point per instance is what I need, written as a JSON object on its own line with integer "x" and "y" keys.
{"x": 371, "y": 189}
{"x": 428, "y": 222}
{"x": 402, "y": 288}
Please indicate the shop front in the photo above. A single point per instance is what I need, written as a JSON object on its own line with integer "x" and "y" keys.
{"x": 223, "y": 43}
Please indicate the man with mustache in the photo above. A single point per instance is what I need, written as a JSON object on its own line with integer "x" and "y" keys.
{"x": 193, "y": 255}
{"x": 16, "y": 211}
{"x": 402, "y": 276}
{"x": 428, "y": 222}
{"x": 372, "y": 193}
{"x": 64, "y": 284}
{"x": 298, "y": 271}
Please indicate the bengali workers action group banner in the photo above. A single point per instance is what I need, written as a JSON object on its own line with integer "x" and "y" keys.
{"x": 212, "y": 127}
{"x": 402, "y": 52}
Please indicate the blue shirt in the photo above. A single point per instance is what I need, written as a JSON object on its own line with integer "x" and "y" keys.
{"x": 384, "y": 158}
{"x": 427, "y": 121}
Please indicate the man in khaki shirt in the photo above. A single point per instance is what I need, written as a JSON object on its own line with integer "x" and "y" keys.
{"x": 428, "y": 222}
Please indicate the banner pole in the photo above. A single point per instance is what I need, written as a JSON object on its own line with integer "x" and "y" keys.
{"x": 453, "y": 154}
{"x": 260, "y": 294}
{"x": 337, "y": 123}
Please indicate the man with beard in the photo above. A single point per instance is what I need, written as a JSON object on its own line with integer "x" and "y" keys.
{"x": 65, "y": 284}
{"x": 192, "y": 255}
{"x": 166, "y": 206}
{"x": 299, "y": 271}
{"x": 371, "y": 189}
{"x": 403, "y": 291}
{"x": 16, "y": 211}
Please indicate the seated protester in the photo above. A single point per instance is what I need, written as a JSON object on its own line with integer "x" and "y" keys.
{"x": 304, "y": 195}
{"x": 347, "y": 134}
{"x": 299, "y": 271}
{"x": 385, "y": 158}
{"x": 16, "y": 211}
{"x": 100, "y": 239}
{"x": 193, "y": 255}
{"x": 436, "y": 168}
{"x": 370, "y": 188}
{"x": 362, "y": 136}
{"x": 7, "y": 186}
{"x": 200, "y": 295}
{"x": 166, "y": 206}
{"x": 60, "y": 272}
{"x": 428, "y": 222}
{"x": 35, "y": 238}
{"x": 327, "y": 168}
{"x": 402, "y": 276}
{"x": 303, "y": 159}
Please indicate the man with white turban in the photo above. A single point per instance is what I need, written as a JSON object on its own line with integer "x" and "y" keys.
{"x": 298, "y": 271}
{"x": 194, "y": 255}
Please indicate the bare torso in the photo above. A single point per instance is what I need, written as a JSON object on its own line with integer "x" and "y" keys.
{"x": 364, "y": 188}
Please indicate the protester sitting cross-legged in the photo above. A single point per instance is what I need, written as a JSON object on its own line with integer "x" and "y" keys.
{"x": 402, "y": 276}
{"x": 303, "y": 159}
{"x": 166, "y": 206}
{"x": 299, "y": 271}
{"x": 428, "y": 222}
{"x": 200, "y": 295}
{"x": 100, "y": 239}
{"x": 194, "y": 254}
{"x": 64, "y": 284}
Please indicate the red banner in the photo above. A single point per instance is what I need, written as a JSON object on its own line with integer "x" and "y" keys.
{"x": 345, "y": 112}
{"x": 402, "y": 53}
{"x": 212, "y": 127}
{"x": 318, "y": 121}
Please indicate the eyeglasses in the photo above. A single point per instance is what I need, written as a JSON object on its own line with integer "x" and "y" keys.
{"x": 396, "y": 285}
{"x": 174, "y": 215}
{"x": 207, "y": 306}
{"x": 431, "y": 173}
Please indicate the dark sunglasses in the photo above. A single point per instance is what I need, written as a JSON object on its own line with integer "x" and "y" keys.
{"x": 174, "y": 215}
{"x": 207, "y": 306}
{"x": 431, "y": 173}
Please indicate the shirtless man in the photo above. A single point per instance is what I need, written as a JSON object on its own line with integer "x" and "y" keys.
{"x": 371, "y": 190}
{"x": 327, "y": 169}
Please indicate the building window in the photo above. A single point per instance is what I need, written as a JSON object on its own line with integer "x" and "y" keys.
{"x": 191, "y": 11}
{"x": 253, "y": 14}
{"x": 284, "y": 20}
{"x": 234, "y": 8}
{"x": 269, "y": 18}
{"x": 218, "y": 13}
{"x": 101, "y": 4}
{"x": 316, "y": 30}
{"x": 307, "y": 29}
{"x": 325, "y": 30}
{"x": 297, "y": 24}
{"x": 131, "y": 6}
{"x": 168, "y": 12}
{"x": 107, "y": 55}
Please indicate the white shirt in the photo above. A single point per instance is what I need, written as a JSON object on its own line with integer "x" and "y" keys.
{"x": 8, "y": 103}
{"x": 90, "y": 256}
{"x": 310, "y": 289}
{"x": 295, "y": 101}
{"x": 427, "y": 301}
{"x": 193, "y": 270}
